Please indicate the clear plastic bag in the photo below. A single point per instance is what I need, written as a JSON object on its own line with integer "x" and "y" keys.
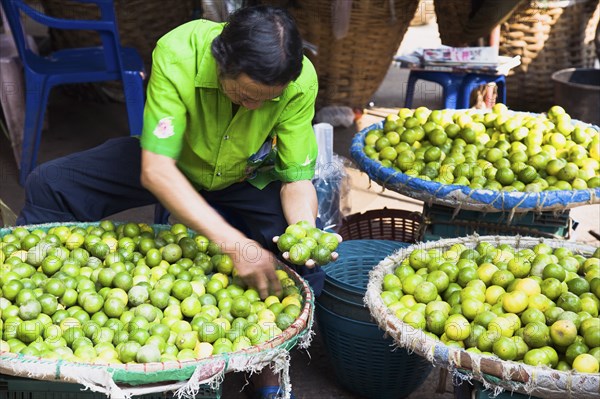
{"x": 332, "y": 185}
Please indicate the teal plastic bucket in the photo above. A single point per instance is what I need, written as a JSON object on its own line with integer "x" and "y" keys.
{"x": 364, "y": 362}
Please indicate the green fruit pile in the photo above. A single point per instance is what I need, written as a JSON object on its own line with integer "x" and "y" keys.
{"x": 538, "y": 306}
{"x": 496, "y": 150}
{"x": 129, "y": 294}
{"x": 303, "y": 243}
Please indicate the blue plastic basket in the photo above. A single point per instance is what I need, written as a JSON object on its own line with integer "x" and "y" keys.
{"x": 365, "y": 363}
{"x": 26, "y": 388}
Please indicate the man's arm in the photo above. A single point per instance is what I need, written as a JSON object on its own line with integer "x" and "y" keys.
{"x": 299, "y": 201}
{"x": 161, "y": 176}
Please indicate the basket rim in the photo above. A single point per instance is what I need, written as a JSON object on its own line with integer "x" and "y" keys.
{"x": 300, "y": 327}
{"x": 452, "y": 357}
{"x": 463, "y": 196}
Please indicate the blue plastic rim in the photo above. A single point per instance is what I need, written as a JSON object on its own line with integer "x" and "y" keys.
{"x": 505, "y": 201}
{"x": 364, "y": 362}
{"x": 357, "y": 257}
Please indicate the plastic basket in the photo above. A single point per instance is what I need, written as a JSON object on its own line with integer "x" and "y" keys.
{"x": 26, "y": 388}
{"x": 364, "y": 362}
{"x": 441, "y": 222}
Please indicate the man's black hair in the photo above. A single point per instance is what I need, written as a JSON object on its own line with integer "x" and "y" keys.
{"x": 263, "y": 42}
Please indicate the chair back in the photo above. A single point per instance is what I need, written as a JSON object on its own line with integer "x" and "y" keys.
{"x": 106, "y": 26}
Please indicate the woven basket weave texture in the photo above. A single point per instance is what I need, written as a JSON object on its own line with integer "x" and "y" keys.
{"x": 547, "y": 39}
{"x": 352, "y": 68}
{"x": 548, "y": 35}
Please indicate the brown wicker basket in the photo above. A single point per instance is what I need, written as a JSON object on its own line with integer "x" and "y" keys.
{"x": 141, "y": 23}
{"x": 548, "y": 36}
{"x": 452, "y": 16}
{"x": 383, "y": 224}
{"x": 352, "y": 68}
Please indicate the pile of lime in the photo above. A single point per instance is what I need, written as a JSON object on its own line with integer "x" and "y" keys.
{"x": 125, "y": 293}
{"x": 303, "y": 242}
{"x": 536, "y": 305}
{"x": 495, "y": 149}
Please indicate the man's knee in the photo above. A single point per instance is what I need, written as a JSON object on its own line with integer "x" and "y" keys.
{"x": 45, "y": 179}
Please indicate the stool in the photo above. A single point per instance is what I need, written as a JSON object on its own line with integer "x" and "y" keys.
{"x": 456, "y": 86}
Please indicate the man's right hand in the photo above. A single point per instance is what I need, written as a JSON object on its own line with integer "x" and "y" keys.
{"x": 256, "y": 267}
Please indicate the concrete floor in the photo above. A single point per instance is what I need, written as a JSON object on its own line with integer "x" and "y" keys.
{"x": 76, "y": 125}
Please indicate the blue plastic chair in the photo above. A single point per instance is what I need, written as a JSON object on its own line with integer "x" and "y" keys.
{"x": 456, "y": 87}
{"x": 110, "y": 61}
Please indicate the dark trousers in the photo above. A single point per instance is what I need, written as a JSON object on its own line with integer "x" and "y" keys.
{"x": 96, "y": 183}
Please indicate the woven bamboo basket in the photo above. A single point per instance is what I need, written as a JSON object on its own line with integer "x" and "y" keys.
{"x": 549, "y": 36}
{"x": 141, "y": 23}
{"x": 185, "y": 377}
{"x": 463, "y": 197}
{"x": 352, "y": 68}
{"x": 493, "y": 372}
{"x": 452, "y": 16}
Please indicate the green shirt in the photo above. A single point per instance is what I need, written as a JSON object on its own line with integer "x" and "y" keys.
{"x": 188, "y": 118}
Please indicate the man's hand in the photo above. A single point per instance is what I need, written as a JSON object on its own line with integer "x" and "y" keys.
{"x": 256, "y": 267}
{"x": 310, "y": 263}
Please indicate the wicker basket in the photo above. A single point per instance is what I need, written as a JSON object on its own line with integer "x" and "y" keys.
{"x": 492, "y": 371}
{"x": 141, "y": 24}
{"x": 548, "y": 36}
{"x": 352, "y": 68}
{"x": 383, "y": 224}
{"x": 452, "y": 16}
{"x": 186, "y": 376}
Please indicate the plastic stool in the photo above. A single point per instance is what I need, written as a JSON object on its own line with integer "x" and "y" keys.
{"x": 456, "y": 87}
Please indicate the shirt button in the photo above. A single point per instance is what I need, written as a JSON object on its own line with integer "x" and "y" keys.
{"x": 218, "y": 173}
{"x": 226, "y": 137}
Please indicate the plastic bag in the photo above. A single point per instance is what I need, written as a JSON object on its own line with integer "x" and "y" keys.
{"x": 332, "y": 185}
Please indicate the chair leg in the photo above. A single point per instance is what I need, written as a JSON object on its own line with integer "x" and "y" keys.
{"x": 410, "y": 90}
{"x": 36, "y": 99}
{"x": 133, "y": 86}
{"x": 501, "y": 83}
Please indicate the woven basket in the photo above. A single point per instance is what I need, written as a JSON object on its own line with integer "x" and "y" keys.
{"x": 451, "y": 17}
{"x": 463, "y": 197}
{"x": 352, "y": 68}
{"x": 493, "y": 372}
{"x": 141, "y": 23}
{"x": 549, "y": 36}
{"x": 383, "y": 224}
{"x": 185, "y": 377}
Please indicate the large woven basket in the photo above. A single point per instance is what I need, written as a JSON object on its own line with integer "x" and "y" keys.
{"x": 493, "y": 372}
{"x": 185, "y": 377}
{"x": 463, "y": 197}
{"x": 352, "y": 68}
{"x": 549, "y": 36}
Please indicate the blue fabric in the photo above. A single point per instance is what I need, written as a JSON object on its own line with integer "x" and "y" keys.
{"x": 91, "y": 185}
{"x": 501, "y": 200}
{"x": 269, "y": 392}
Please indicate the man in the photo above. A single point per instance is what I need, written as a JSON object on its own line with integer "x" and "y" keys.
{"x": 227, "y": 145}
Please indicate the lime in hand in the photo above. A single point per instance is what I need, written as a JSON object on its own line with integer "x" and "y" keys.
{"x": 303, "y": 244}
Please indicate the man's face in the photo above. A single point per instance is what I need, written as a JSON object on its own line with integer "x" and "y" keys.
{"x": 247, "y": 92}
